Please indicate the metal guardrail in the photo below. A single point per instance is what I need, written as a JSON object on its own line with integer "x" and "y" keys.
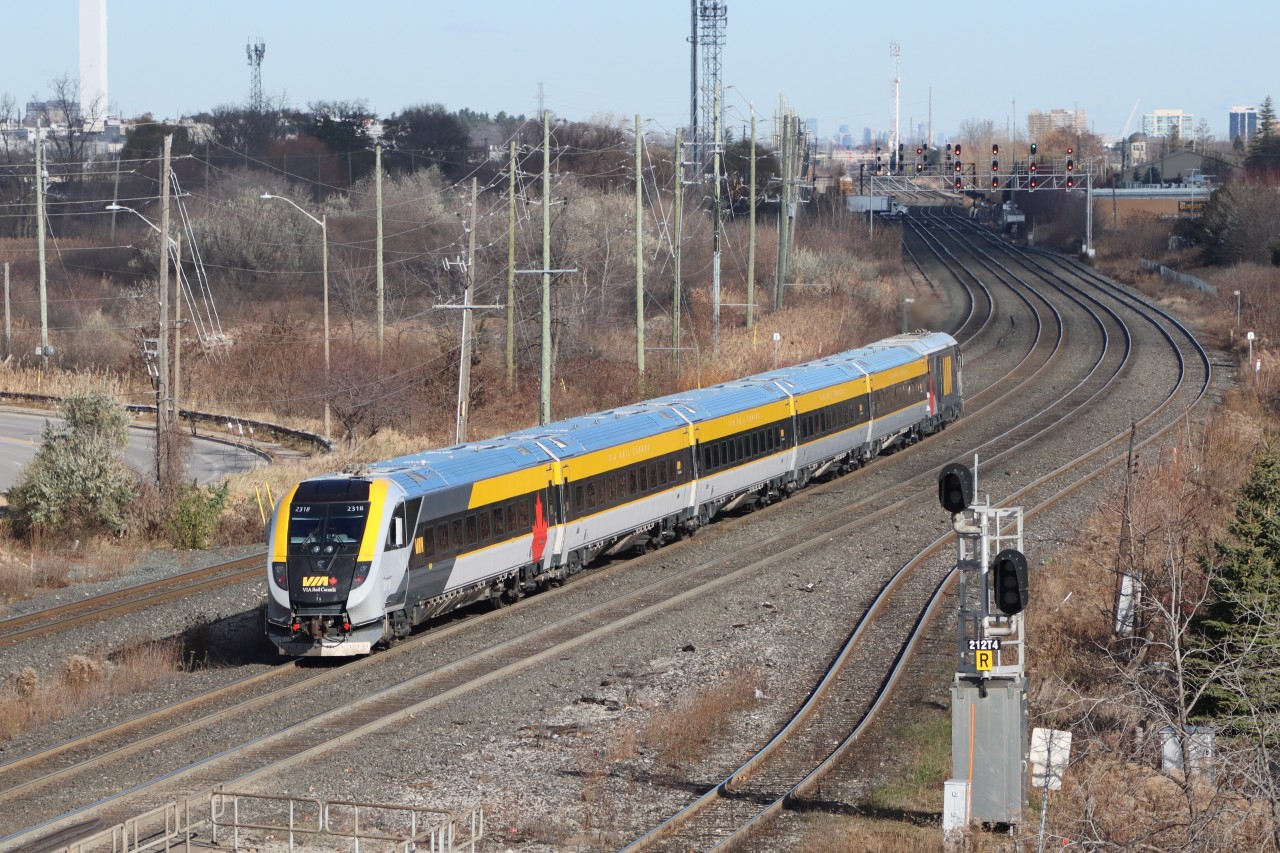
{"x": 234, "y": 817}
{"x": 1173, "y": 275}
{"x": 193, "y": 417}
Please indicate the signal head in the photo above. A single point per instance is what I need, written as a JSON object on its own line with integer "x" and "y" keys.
{"x": 1071, "y": 181}
{"x": 995, "y": 165}
{"x": 957, "y": 149}
{"x": 1033, "y": 167}
{"x": 995, "y": 150}
{"x": 957, "y": 165}
{"x": 1071, "y": 165}
{"x": 955, "y": 485}
{"x": 995, "y": 183}
{"x": 958, "y": 183}
{"x": 1034, "y": 182}
{"x": 1070, "y": 150}
{"x": 1033, "y": 149}
{"x": 919, "y": 167}
{"x": 1009, "y": 581}
{"x": 919, "y": 151}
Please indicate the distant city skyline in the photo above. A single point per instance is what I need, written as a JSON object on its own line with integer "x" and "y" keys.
{"x": 617, "y": 60}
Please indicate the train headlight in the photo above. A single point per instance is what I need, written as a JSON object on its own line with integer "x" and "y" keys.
{"x": 361, "y": 574}
{"x": 280, "y": 574}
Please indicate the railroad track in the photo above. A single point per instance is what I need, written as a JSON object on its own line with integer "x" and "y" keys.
{"x": 122, "y": 602}
{"x": 430, "y": 686}
{"x": 842, "y": 706}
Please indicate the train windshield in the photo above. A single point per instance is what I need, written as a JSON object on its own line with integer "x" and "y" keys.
{"x": 330, "y": 528}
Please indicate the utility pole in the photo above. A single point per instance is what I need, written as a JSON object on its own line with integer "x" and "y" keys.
{"x": 546, "y": 268}
{"x": 780, "y": 270}
{"x": 177, "y": 329}
{"x": 679, "y": 233}
{"x": 464, "y": 367}
{"x": 44, "y": 293}
{"x": 8, "y": 327}
{"x": 715, "y": 233}
{"x": 162, "y": 345}
{"x": 511, "y": 270}
{"x": 751, "y": 228}
{"x": 377, "y": 183}
{"x": 639, "y": 253}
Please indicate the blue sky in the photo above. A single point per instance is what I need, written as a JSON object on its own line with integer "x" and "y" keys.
{"x": 830, "y": 60}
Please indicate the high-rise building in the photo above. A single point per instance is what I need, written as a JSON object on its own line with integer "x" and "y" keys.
{"x": 1040, "y": 123}
{"x": 93, "y": 60}
{"x": 1244, "y": 124}
{"x": 1163, "y": 123}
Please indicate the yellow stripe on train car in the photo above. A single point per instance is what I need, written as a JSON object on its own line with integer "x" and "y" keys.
{"x": 629, "y": 453}
{"x": 507, "y": 486}
{"x": 744, "y": 421}
{"x": 373, "y": 527}
{"x": 903, "y": 373}
{"x": 815, "y": 400}
{"x": 280, "y": 542}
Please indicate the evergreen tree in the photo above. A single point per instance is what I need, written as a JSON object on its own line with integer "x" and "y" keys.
{"x": 1239, "y": 624}
{"x": 1264, "y": 150}
{"x": 77, "y": 479}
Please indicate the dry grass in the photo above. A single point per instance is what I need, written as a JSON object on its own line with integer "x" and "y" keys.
{"x": 27, "y": 702}
{"x": 695, "y": 724}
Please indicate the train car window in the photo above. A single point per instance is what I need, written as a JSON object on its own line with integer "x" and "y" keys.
{"x": 591, "y": 495}
{"x": 644, "y": 479}
{"x": 661, "y": 468}
{"x": 484, "y": 525}
{"x": 613, "y": 488}
{"x": 524, "y": 513}
{"x": 471, "y": 530}
{"x": 428, "y": 542}
{"x": 577, "y": 498}
{"x": 396, "y": 532}
{"x": 455, "y": 535}
{"x": 442, "y": 537}
{"x": 631, "y": 482}
{"x": 498, "y": 527}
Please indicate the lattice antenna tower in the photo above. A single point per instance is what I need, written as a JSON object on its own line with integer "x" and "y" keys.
{"x": 712, "y": 17}
{"x": 895, "y": 61}
{"x": 255, "y": 51}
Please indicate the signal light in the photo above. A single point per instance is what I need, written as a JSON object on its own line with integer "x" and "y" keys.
{"x": 995, "y": 150}
{"x": 995, "y": 165}
{"x": 1009, "y": 581}
{"x": 955, "y": 487}
{"x": 1070, "y": 150}
{"x": 1071, "y": 165}
{"x": 995, "y": 183}
{"x": 1033, "y": 167}
{"x": 957, "y": 165}
{"x": 1033, "y": 149}
{"x": 919, "y": 167}
{"x": 957, "y": 149}
{"x": 919, "y": 151}
{"x": 958, "y": 184}
{"x": 1034, "y": 183}
{"x": 1071, "y": 182}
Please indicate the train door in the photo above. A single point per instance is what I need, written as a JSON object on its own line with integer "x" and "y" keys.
{"x": 399, "y": 545}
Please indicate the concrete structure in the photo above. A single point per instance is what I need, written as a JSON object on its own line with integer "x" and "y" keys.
{"x": 93, "y": 61}
{"x": 1163, "y": 122}
{"x": 1244, "y": 124}
{"x": 1040, "y": 123}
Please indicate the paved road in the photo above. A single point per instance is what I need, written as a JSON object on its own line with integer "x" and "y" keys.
{"x": 210, "y": 461}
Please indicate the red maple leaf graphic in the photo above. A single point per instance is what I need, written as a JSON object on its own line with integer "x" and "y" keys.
{"x": 539, "y": 529}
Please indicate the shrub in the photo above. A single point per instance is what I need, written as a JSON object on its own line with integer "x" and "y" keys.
{"x": 194, "y": 515}
{"x": 78, "y": 480}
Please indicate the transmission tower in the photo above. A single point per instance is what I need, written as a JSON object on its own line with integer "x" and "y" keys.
{"x": 895, "y": 59}
{"x": 712, "y": 17}
{"x": 255, "y": 51}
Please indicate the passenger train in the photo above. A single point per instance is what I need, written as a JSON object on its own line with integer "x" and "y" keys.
{"x": 357, "y": 559}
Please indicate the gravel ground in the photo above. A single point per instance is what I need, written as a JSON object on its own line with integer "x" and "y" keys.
{"x": 558, "y": 756}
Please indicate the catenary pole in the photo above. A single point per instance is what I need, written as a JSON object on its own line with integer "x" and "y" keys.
{"x": 8, "y": 327}
{"x": 177, "y": 329}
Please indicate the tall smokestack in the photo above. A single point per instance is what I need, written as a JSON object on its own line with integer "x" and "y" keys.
{"x": 93, "y": 61}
